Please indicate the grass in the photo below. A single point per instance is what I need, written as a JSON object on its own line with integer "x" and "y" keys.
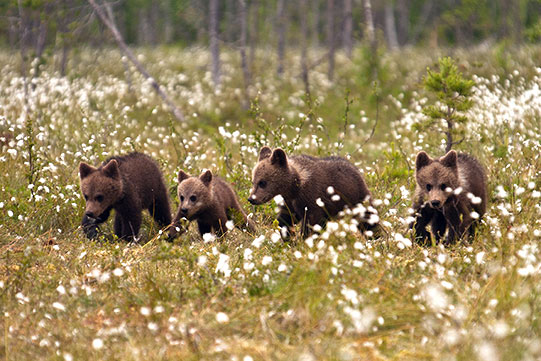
{"x": 251, "y": 296}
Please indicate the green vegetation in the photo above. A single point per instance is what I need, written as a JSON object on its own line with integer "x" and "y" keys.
{"x": 251, "y": 296}
{"x": 454, "y": 98}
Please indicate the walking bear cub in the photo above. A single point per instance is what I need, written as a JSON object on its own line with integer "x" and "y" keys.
{"x": 210, "y": 201}
{"x": 128, "y": 184}
{"x": 451, "y": 195}
{"x": 313, "y": 189}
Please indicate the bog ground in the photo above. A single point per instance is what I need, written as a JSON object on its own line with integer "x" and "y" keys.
{"x": 251, "y": 296}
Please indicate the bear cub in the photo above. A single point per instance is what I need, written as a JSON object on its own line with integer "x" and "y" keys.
{"x": 210, "y": 201}
{"x": 128, "y": 184}
{"x": 451, "y": 195}
{"x": 313, "y": 189}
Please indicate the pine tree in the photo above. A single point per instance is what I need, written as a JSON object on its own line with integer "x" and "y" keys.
{"x": 453, "y": 94}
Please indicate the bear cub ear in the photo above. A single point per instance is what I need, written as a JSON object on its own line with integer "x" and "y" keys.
{"x": 422, "y": 160}
{"x": 206, "y": 177}
{"x": 182, "y": 176}
{"x": 449, "y": 160}
{"x": 279, "y": 157}
{"x": 264, "y": 153}
{"x": 85, "y": 170}
{"x": 111, "y": 169}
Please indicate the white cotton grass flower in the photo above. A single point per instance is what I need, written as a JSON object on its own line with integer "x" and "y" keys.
{"x": 201, "y": 260}
{"x": 501, "y": 192}
{"x": 320, "y": 203}
{"x": 279, "y": 200}
{"x": 208, "y": 237}
{"x": 275, "y": 237}
{"x": 330, "y": 190}
{"x": 97, "y": 344}
{"x": 222, "y": 317}
{"x": 118, "y": 272}
{"x": 258, "y": 241}
{"x": 480, "y": 257}
{"x": 435, "y": 297}
{"x": 61, "y": 289}
{"x": 153, "y": 326}
{"x": 223, "y": 265}
{"x": 335, "y": 198}
{"x": 487, "y": 351}
{"x": 145, "y": 311}
{"x": 362, "y": 320}
{"x": 266, "y": 260}
{"x": 458, "y": 190}
{"x": 59, "y": 306}
{"x": 229, "y": 225}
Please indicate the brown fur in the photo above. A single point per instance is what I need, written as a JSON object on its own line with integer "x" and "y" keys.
{"x": 127, "y": 184}
{"x": 210, "y": 201}
{"x": 436, "y": 204}
{"x": 301, "y": 180}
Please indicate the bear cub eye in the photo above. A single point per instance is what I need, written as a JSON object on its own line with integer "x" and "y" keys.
{"x": 429, "y": 187}
{"x": 262, "y": 184}
{"x": 443, "y": 186}
{"x": 182, "y": 198}
{"x": 193, "y": 198}
{"x": 86, "y": 197}
{"x": 99, "y": 198}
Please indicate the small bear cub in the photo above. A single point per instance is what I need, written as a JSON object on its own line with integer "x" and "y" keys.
{"x": 451, "y": 195}
{"x": 128, "y": 184}
{"x": 313, "y": 189}
{"x": 210, "y": 201}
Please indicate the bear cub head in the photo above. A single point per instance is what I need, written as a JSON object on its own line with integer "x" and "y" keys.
{"x": 437, "y": 178}
{"x": 271, "y": 176}
{"x": 195, "y": 193}
{"x": 101, "y": 187}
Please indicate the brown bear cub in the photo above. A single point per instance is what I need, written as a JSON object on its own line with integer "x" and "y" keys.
{"x": 128, "y": 184}
{"x": 451, "y": 195}
{"x": 313, "y": 189}
{"x": 210, "y": 201}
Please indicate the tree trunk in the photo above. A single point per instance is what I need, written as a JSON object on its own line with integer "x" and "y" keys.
{"x": 39, "y": 48}
{"x": 390, "y": 28}
{"x": 110, "y": 24}
{"x": 331, "y": 41}
{"x": 402, "y": 8}
{"x": 420, "y": 24}
{"x": 369, "y": 27}
{"x": 167, "y": 22}
{"x": 25, "y": 32}
{"x": 316, "y": 15}
{"x": 254, "y": 31}
{"x": 64, "y": 58}
{"x": 303, "y": 6}
{"x": 214, "y": 45}
{"x": 348, "y": 28}
{"x": 280, "y": 29}
{"x": 243, "y": 35}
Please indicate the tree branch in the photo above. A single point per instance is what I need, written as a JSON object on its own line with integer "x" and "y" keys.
{"x": 109, "y": 23}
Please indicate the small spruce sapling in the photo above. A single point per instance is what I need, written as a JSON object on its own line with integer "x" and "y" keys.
{"x": 453, "y": 94}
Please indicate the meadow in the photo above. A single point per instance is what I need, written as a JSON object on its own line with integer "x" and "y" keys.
{"x": 339, "y": 296}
